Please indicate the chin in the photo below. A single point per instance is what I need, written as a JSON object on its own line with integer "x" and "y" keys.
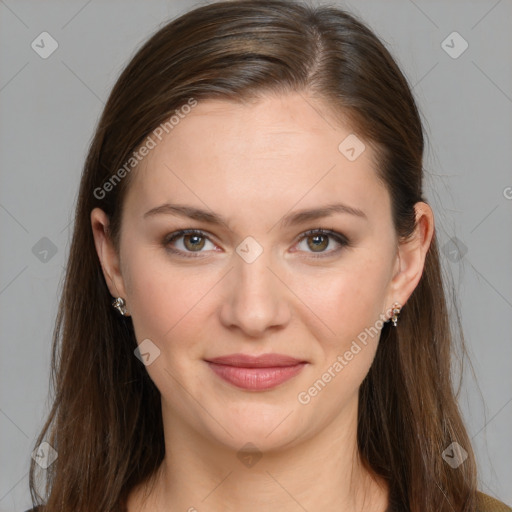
{"x": 267, "y": 427}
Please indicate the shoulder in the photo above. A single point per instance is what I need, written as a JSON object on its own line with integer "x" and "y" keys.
{"x": 489, "y": 504}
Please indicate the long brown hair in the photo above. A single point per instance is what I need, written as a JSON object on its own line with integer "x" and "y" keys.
{"x": 105, "y": 422}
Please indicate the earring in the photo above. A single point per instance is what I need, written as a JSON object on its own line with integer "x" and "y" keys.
{"x": 120, "y": 305}
{"x": 395, "y": 312}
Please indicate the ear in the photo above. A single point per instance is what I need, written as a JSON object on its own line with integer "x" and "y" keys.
{"x": 109, "y": 259}
{"x": 411, "y": 257}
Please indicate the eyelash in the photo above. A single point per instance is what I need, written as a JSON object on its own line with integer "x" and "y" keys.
{"x": 341, "y": 239}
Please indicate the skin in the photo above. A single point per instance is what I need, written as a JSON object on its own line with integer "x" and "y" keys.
{"x": 253, "y": 164}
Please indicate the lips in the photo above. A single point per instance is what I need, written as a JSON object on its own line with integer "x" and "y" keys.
{"x": 256, "y": 373}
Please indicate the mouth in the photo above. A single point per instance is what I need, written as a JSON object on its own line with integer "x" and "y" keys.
{"x": 256, "y": 373}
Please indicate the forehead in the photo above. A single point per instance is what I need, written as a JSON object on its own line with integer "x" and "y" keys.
{"x": 272, "y": 153}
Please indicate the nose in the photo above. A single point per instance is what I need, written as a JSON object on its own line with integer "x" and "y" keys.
{"x": 257, "y": 298}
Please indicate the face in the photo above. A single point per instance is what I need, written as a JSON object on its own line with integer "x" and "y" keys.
{"x": 262, "y": 279}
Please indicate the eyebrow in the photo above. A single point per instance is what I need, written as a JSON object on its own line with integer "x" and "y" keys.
{"x": 291, "y": 219}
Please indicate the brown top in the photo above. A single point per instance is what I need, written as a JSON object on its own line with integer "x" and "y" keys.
{"x": 485, "y": 504}
{"x": 489, "y": 504}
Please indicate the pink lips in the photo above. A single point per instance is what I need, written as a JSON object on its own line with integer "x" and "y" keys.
{"x": 256, "y": 373}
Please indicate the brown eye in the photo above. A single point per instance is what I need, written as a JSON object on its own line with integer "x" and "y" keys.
{"x": 186, "y": 242}
{"x": 193, "y": 242}
{"x": 318, "y": 242}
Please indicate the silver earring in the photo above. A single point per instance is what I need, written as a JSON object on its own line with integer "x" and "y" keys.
{"x": 395, "y": 312}
{"x": 120, "y": 305}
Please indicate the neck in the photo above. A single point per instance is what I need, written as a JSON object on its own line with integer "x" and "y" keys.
{"x": 200, "y": 475}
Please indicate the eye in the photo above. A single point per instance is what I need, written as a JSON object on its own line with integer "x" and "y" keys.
{"x": 193, "y": 242}
{"x": 320, "y": 239}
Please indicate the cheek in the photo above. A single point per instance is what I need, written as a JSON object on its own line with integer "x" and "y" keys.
{"x": 347, "y": 299}
{"x": 166, "y": 301}
{"x": 155, "y": 295}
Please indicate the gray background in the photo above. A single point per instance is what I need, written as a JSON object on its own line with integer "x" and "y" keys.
{"x": 49, "y": 108}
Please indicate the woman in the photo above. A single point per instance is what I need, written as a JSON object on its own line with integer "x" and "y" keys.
{"x": 254, "y": 316}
